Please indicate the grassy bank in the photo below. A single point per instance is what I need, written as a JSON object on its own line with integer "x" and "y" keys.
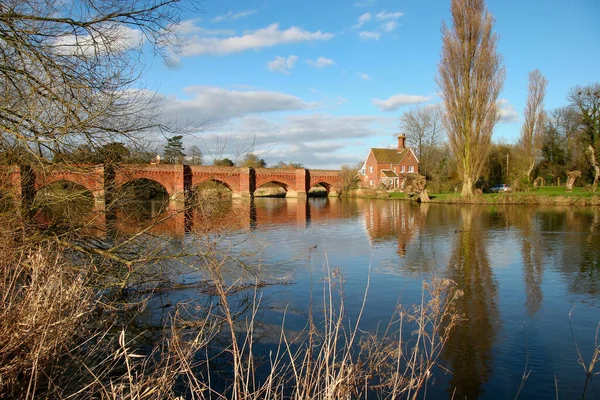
{"x": 541, "y": 196}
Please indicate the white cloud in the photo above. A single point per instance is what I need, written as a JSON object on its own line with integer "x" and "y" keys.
{"x": 366, "y": 17}
{"x": 111, "y": 38}
{"x": 232, "y": 15}
{"x": 507, "y": 112}
{"x": 315, "y": 140}
{"x": 189, "y": 27}
{"x": 218, "y": 105}
{"x": 382, "y": 16}
{"x": 321, "y": 62}
{"x": 390, "y": 26}
{"x": 365, "y": 3}
{"x": 399, "y": 100}
{"x": 339, "y": 100}
{"x": 261, "y": 38}
{"x": 227, "y": 123}
{"x": 282, "y": 64}
{"x": 367, "y": 35}
{"x": 364, "y": 77}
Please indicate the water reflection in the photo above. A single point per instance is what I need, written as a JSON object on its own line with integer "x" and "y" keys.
{"x": 513, "y": 263}
{"x": 469, "y": 349}
{"x": 581, "y": 255}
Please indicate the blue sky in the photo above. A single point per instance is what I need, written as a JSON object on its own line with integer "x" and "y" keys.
{"x": 321, "y": 82}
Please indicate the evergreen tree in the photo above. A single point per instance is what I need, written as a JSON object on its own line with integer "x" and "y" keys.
{"x": 223, "y": 162}
{"x": 173, "y": 153}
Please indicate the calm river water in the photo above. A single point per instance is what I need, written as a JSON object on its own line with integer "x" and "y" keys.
{"x": 522, "y": 270}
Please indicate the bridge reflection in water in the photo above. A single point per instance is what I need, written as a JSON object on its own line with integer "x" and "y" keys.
{"x": 385, "y": 221}
{"x": 232, "y": 215}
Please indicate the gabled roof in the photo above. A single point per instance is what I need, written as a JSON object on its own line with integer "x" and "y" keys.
{"x": 388, "y": 173}
{"x": 386, "y": 156}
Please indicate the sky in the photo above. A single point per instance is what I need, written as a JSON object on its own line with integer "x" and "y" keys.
{"x": 322, "y": 82}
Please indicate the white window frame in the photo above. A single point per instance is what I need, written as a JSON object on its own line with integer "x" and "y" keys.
{"x": 411, "y": 168}
{"x": 370, "y": 169}
{"x": 402, "y": 169}
{"x": 370, "y": 182}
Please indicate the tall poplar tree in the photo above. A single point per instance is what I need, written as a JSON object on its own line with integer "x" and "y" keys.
{"x": 533, "y": 127}
{"x": 470, "y": 78}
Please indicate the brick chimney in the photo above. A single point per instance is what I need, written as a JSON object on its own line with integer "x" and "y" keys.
{"x": 401, "y": 142}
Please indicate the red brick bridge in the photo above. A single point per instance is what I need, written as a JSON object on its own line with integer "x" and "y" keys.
{"x": 177, "y": 180}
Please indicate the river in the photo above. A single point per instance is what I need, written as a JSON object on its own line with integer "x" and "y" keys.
{"x": 522, "y": 270}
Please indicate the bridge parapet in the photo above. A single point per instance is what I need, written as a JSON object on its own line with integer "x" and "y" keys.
{"x": 325, "y": 172}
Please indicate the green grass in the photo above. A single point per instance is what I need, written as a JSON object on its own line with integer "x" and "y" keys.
{"x": 398, "y": 195}
{"x": 545, "y": 195}
{"x": 560, "y": 191}
{"x": 444, "y": 196}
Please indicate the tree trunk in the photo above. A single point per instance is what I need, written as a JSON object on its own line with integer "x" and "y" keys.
{"x": 467, "y": 188}
{"x": 572, "y": 176}
{"x": 424, "y": 197}
{"x": 529, "y": 170}
{"x": 595, "y": 165}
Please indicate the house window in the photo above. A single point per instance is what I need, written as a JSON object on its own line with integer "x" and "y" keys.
{"x": 411, "y": 168}
{"x": 371, "y": 169}
{"x": 371, "y": 181}
{"x": 402, "y": 170}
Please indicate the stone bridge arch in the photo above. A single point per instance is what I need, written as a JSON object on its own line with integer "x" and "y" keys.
{"x": 89, "y": 177}
{"x": 170, "y": 177}
{"x": 330, "y": 179}
{"x": 292, "y": 180}
{"x": 239, "y": 180}
{"x": 290, "y": 190}
{"x": 224, "y": 183}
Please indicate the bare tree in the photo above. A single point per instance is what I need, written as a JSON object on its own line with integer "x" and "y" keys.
{"x": 533, "y": 127}
{"x": 253, "y": 161}
{"x": 470, "y": 78}
{"x": 424, "y": 129}
{"x": 587, "y": 102}
{"x": 195, "y": 156}
{"x": 66, "y": 70}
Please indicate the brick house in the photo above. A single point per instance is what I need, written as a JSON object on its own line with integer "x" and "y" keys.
{"x": 389, "y": 167}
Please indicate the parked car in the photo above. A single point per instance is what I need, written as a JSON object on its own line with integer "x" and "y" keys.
{"x": 501, "y": 187}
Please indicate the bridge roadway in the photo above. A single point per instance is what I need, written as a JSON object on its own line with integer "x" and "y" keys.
{"x": 177, "y": 180}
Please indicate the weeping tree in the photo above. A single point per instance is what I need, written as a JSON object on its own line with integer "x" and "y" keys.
{"x": 470, "y": 77}
{"x": 532, "y": 131}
